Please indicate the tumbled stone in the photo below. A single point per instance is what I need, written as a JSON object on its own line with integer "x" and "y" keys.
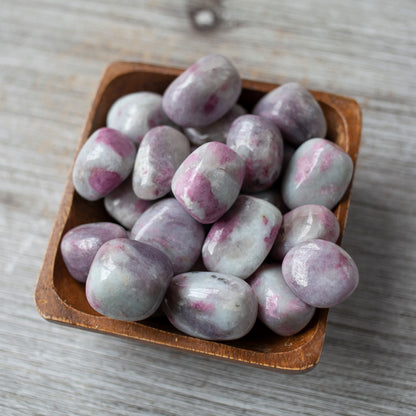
{"x": 318, "y": 173}
{"x": 210, "y": 305}
{"x": 128, "y": 280}
{"x": 279, "y": 308}
{"x": 103, "y": 163}
{"x": 80, "y": 245}
{"x": 259, "y": 143}
{"x": 124, "y": 205}
{"x": 304, "y": 223}
{"x": 240, "y": 241}
{"x": 320, "y": 273}
{"x": 161, "y": 152}
{"x": 295, "y": 111}
{"x": 136, "y": 113}
{"x": 208, "y": 181}
{"x": 168, "y": 227}
{"x": 204, "y": 93}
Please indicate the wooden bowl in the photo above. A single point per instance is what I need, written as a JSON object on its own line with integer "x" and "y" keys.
{"x": 61, "y": 299}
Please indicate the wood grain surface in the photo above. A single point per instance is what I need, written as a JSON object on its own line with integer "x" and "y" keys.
{"x": 52, "y": 54}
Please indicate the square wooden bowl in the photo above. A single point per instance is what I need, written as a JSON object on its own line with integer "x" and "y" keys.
{"x": 61, "y": 299}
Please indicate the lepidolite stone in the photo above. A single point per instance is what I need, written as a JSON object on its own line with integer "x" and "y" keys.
{"x": 279, "y": 308}
{"x": 80, "y": 244}
{"x": 124, "y": 205}
{"x": 203, "y": 93}
{"x": 208, "y": 181}
{"x": 318, "y": 173}
{"x": 161, "y": 152}
{"x": 136, "y": 113}
{"x": 169, "y": 228}
{"x": 128, "y": 280}
{"x": 259, "y": 143}
{"x": 320, "y": 273}
{"x": 210, "y": 305}
{"x": 103, "y": 163}
{"x": 239, "y": 242}
{"x": 295, "y": 111}
{"x": 304, "y": 223}
{"x": 214, "y": 132}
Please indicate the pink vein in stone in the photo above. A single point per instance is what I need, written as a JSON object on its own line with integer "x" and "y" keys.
{"x": 211, "y": 103}
{"x": 104, "y": 181}
{"x": 118, "y": 143}
{"x": 269, "y": 240}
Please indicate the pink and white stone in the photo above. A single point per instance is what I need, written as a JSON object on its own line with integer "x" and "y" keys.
{"x": 259, "y": 143}
{"x": 214, "y": 132}
{"x": 80, "y": 245}
{"x": 204, "y": 93}
{"x": 136, "y": 113}
{"x": 318, "y": 173}
{"x": 124, "y": 205}
{"x": 208, "y": 181}
{"x": 169, "y": 228}
{"x": 320, "y": 273}
{"x": 239, "y": 242}
{"x": 161, "y": 152}
{"x": 211, "y": 306}
{"x": 295, "y": 111}
{"x": 304, "y": 223}
{"x": 279, "y": 308}
{"x": 128, "y": 280}
{"x": 103, "y": 163}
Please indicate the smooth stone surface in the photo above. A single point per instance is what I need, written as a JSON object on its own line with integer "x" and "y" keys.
{"x": 169, "y": 228}
{"x": 279, "y": 308}
{"x": 208, "y": 181}
{"x": 210, "y": 305}
{"x": 161, "y": 152}
{"x": 318, "y": 173}
{"x": 240, "y": 241}
{"x": 128, "y": 280}
{"x": 103, "y": 163}
{"x": 204, "y": 93}
{"x": 259, "y": 143}
{"x": 136, "y": 113}
{"x": 80, "y": 244}
{"x": 214, "y": 132}
{"x": 295, "y": 111}
{"x": 320, "y": 273}
{"x": 304, "y": 223}
{"x": 124, "y": 205}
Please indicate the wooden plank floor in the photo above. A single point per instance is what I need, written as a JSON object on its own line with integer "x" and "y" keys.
{"x": 52, "y": 54}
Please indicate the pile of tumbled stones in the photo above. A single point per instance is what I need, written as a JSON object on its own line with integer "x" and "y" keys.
{"x": 197, "y": 188}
